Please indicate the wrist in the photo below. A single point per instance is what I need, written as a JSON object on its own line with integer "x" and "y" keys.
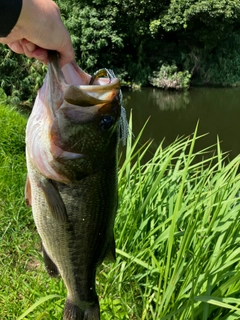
{"x": 29, "y": 12}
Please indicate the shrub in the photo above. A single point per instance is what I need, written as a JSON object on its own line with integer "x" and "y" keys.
{"x": 169, "y": 78}
{"x": 20, "y": 77}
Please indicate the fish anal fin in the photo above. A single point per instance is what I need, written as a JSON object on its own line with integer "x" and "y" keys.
{"x": 50, "y": 266}
{"x": 54, "y": 200}
{"x": 28, "y": 192}
{"x": 111, "y": 251}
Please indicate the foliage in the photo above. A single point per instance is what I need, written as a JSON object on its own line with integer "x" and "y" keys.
{"x": 3, "y": 96}
{"x": 183, "y": 14}
{"x": 219, "y": 67}
{"x": 20, "y": 77}
{"x": 111, "y": 34}
{"x": 203, "y": 38}
{"x": 94, "y": 31}
{"x": 177, "y": 234}
{"x": 135, "y": 37}
{"x": 185, "y": 208}
{"x": 168, "y": 77}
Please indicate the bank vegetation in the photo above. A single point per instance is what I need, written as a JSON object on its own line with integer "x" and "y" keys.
{"x": 198, "y": 41}
{"x": 177, "y": 236}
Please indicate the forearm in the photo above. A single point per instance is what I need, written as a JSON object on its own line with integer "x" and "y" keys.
{"x": 9, "y": 14}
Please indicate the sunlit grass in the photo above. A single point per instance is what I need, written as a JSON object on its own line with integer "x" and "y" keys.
{"x": 177, "y": 234}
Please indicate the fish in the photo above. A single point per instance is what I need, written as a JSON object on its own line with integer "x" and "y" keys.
{"x": 72, "y": 139}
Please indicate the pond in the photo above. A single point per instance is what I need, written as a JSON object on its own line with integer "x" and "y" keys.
{"x": 174, "y": 114}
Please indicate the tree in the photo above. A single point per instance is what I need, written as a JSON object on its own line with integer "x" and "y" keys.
{"x": 136, "y": 37}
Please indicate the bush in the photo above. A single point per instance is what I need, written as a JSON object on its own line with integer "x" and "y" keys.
{"x": 216, "y": 67}
{"x": 131, "y": 37}
{"x": 169, "y": 78}
{"x": 20, "y": 77}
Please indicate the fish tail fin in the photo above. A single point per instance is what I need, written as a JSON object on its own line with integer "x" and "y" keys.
{"x": 50, "y": 266}
{"x": 73, "y": 312}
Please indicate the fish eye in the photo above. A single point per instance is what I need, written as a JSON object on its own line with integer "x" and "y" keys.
{"x": 106, "y": 122}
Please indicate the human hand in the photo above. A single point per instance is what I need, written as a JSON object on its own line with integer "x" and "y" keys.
{"x": 39, "y": 28}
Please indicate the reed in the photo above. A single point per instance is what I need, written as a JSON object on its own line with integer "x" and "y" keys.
{"x": 177, "y": 235}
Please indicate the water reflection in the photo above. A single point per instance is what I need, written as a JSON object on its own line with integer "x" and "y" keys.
{"x": 176, "y": 114}
{"x": 170, "y": 101}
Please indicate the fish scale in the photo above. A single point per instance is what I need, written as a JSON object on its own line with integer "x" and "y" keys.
{"x": 72, "y": 187}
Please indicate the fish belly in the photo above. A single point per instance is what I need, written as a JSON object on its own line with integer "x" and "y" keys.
{"x": 77, "y": 246}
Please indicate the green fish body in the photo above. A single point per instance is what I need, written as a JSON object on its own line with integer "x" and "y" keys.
{"x": 71, "y": 149}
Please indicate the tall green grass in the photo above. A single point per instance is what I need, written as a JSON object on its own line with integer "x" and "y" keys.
{"x": 177, "y": 234}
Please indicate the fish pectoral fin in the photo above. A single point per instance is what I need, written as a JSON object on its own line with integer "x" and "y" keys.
{"x": 111, "y": 251}
{"x": 54, "y": 200}
{"x": 66, "y": 155}
{"x": 59, "y": 153}
{"x": 28, "y": 192}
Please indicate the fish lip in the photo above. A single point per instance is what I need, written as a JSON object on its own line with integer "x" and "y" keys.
{"x": 114, "y": 84}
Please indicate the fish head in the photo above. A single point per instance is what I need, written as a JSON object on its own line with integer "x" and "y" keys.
{"x": 84, "y": 120}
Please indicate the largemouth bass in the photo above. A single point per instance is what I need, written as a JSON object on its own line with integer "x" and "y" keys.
{"x": 71, "y": 149}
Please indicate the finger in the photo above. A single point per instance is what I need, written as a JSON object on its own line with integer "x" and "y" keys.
{"x": 40, "y": 54}
{"x": 30, "y": 47}
{"x": 66, "y": 56}
{"x": 26, "y": 45}
{"x": 16, "y": 47}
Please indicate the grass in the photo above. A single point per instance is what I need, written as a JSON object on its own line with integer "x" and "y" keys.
{"x": 177, "y": 234}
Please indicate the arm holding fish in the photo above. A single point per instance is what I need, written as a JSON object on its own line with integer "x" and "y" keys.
{"x": 32, "y": 27}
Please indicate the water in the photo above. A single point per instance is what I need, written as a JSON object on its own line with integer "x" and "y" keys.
{"x": 176, "y": 114}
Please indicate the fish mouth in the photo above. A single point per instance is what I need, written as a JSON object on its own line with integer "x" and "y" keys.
{"x": 78, "y": 87}
{"x": 77, "y": 77}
